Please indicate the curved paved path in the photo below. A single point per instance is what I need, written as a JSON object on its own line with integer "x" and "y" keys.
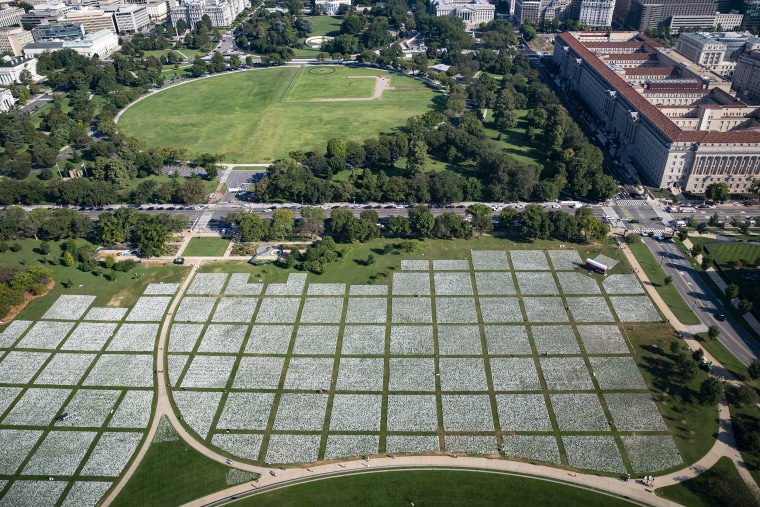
{"x": 725, "y": 444}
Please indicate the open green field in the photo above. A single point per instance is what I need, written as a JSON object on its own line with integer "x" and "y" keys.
{"x": 259, "y": 116}
{"x": 206, "y": 247}
{"x": 431, "y": 488}
{"x": 668, "y": 291}
{"x": 726, "y": 254}
{"x": 326, "y": 25}
{"x": 171, "y": 473}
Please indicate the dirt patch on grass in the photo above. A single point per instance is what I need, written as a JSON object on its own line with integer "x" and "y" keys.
{"x": 15, "y": 310}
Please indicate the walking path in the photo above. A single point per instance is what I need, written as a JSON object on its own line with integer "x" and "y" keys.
{"x": 725, "y": 444}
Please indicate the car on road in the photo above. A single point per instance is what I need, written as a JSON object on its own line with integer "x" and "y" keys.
{"x": 633, "y": 221}
{"x": 721, "y": 317}
{"x": 179, "y": 260}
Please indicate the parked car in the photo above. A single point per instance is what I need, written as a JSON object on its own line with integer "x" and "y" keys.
{"x": 179, "y": 260}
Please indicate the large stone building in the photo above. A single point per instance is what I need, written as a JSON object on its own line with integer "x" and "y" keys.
{"x": 747, "y": 75}
{"x": 101, "y": 43}
{"x": 221, "y": 12}
{"x": 594, "y": 13}
{"x": 12, "y": 68}
{"x": 678, "y": 124}
{"x": 331, "y": 7}
{"x": 645, "y": 14}
{"x": 6, "y": 100}
{"x": 472, "y": 12}
{"x": 717, "y": 51}
{"x": 13, "y": 39}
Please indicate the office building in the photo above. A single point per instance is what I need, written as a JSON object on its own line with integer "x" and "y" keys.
{"x": 676, "y": 123}
{"x": 45, "y": 14}
{"x": 101, "y": 43}
{"x": 66, "y": 31}
{"x": 13, "y": 39}
{"x": 11, "y": 16}
{"x": 157, "y": 10}
{"x": 717, "y": 51}
{"x": 595, "y": 13}
{"x": 128, "y": 18}
{"x": 93, "y": 20}
{"x": 746, "y": 79}
{"x": 646, "y": 14}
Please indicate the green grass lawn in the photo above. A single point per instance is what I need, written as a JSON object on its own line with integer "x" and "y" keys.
{"x": 669, "y": 293}
{"x": 431, "y": 488}
{"x": 171, "y": 473}
{"x": 206, "y": 247}
{"x": 344, "y": 83}
{"x": 253, "y": 125}
{"x": 326, "y": 25}
{"x": 122, "y": 292}
{"x": 720, "y": 486}
{"x": 726, "y": 254}
{"x": 515, "y": 141}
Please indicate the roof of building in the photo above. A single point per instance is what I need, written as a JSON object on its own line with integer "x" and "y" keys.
{"x": 666, "y": 126}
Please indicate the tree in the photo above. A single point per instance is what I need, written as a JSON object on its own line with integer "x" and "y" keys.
{"x": 668, "y": 280}
{"x": 192, "y": 191}
{"x": 282, "y": 223}
{"x": 252, "y": 227}
{"x": 336, "y": 147}
{"x": 713, "y": 332}
{"x": 535, "y": 222}
{"x": 702, "y": 227}
{"x": 709, "y": 391}
{"x": 717, "y": 191}
{"x": 732, "y": 291}
{"x": 745, "y": 306}
{"x": 589, "y": 225}
{"x": 416, "y": 157}
{"x": 398, "y": 226}
{"x": 199, "y": 67}
{"x": 745, "y": 395}
{"x": 754, "y": 369}
{"x": 421, "y": 221}
{"x": 451, "y": 225}
{"x": 481, "y": 217}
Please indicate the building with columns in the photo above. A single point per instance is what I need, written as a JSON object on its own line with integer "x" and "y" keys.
{"x": 6, "y": 100}
{"x": 472, "y": 12}
{"x": 678, "y": 124}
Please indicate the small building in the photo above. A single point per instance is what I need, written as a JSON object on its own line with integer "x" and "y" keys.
{"x": 45, "y": 14}
{"x": 596, "y": 267}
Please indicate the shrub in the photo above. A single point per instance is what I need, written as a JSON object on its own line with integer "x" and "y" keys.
{"x": 3, "y": 247}
{"x": 125, "y": 265}
{"x": 109, "y": 261}
{"x": 16, "y": 247}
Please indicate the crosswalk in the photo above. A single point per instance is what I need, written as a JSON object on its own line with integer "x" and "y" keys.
{"x": 631, "y": 202}
{"x": 204, "y": 219}
{"x": 656, "y": 232}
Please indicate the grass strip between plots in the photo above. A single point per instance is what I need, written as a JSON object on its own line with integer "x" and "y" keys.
{"x": 668, "y": 292}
